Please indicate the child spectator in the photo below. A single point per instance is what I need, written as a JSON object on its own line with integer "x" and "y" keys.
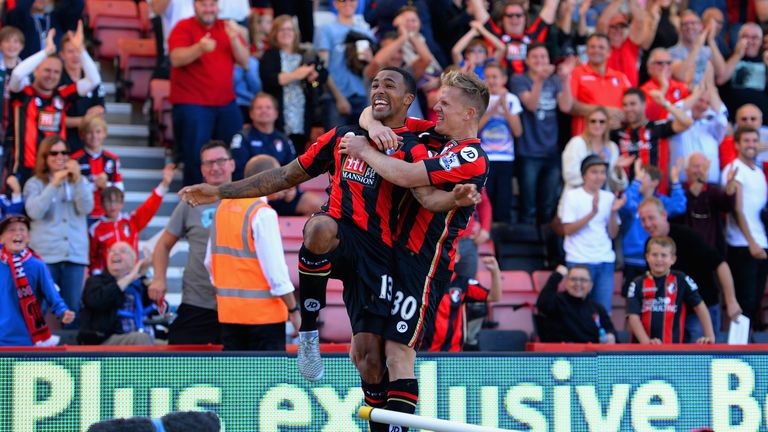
{"x": 115, "y": 226}
{"x": 646, "y": 184}
{"x": 472, "y": 52}
{"x": 11, "y": 44}
{"x": 449, "y": 323}
{"x": 499, "y": 127}
{"x": 259, "y": 25}
{"x": 25, "y": 283}
{"x": 656, "y": 300}
{"x": 569, "y": 316}
{"x": 14, "y": 205}
{"x": 99, "y": 166}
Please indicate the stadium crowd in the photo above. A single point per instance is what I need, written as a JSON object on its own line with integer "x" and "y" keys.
{"x": 606, "y": 119}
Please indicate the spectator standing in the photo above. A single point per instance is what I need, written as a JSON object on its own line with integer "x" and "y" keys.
{"x": 515, "y": 31}
{"x": 302, "y": 10}
{"x": 712, "y": 17}
{"x": 58, "y": 200}
{"x": 115, "y": 225}
{"x": 349, "y": 95}
{"x": 542, "y": 92}
{"x": 115, "y": 302}
{"x": 698, "y": 260}
{"x": 570, "y": 316}
{"x": 99, "y": 166}
{"x": 259, "y": 26}
{"x": 595, "y": 84}
{"x": 696, "y": 49}
{"x": 594, "y": 141}
{"x": 710, "y": 124}
{"x": 658, "y": 300}
{"x": 472, "y": 52}
{"x": 197, "y": 319}
{"x": 590, "y": 220}
{"x": 706, "y": 201}
{"x": 664, "y": 26}
{"x": 645, "y": 185}
{"x": 170, "y": 13}
{"x": 89, "y": 105}
{"x": 745, "y": 71}
{"x": 35, "y": 18}
{"x": 626, "y": 36}
{"x": 26, "y": 284}
{"x": 11, "y": 44}
{"x": 499, "y": 126}
{"x": 203, "y": 52}
{"x": 745, "y": 233}
{"x": 292, "y": 79}
{"x": 384, "y": 15}
{"x": 254, "y": 292}
{"x": 648, "y": 140}
{"x": 748, "y": 115}
{"x": 660, "y": 78}
{"x": 39, "y": 109}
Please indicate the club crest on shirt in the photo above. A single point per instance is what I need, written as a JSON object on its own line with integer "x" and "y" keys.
{"x": 671, "y": 288}
{"x": 449, "y": 161}
{"x": 455, "y": 295}
{"x": 279, "y": 145}
{"x": 356, "y": 170}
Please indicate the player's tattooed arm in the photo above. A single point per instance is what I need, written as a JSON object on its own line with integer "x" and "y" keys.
{"x": 267, "y": 182}
{"x": 438, "y": 201}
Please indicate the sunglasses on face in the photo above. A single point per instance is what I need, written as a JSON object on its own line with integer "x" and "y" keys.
{"x": 598, "y": 121}
{"x": 514, "y": 15}
{"x": 55, "y": 153}
{"x": 662, "y": 62}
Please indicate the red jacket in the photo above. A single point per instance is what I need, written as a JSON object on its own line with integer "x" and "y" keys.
{"x": 104, "y": 233}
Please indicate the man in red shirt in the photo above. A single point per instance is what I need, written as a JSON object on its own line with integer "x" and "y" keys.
{"x": 203, "y": 51}
{"x": 595, "y": 84}
{"x": 660, "y": 72}
{"x": 626, "y": 37}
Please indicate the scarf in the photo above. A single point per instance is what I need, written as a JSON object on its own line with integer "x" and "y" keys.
{"x": 30, "y": 308}
{"x": 671, "y": 288}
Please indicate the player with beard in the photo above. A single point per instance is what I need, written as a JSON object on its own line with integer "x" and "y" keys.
{"x": 351, "y": 238}
{"x": 425, "y": 241}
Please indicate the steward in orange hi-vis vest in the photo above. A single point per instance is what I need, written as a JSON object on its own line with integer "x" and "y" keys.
{"x": 243, "y": 292}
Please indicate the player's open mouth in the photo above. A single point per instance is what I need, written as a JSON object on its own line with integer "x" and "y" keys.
{"x": 380, "y": 104}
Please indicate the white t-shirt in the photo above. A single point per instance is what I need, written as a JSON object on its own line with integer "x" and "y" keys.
{"x": 496, "y": 136}
{"x": 591, "y": 244}
{"x": 753, "y": 193}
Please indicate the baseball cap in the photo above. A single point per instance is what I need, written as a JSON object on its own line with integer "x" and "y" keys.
{"x": 8, "y": 219}
{"x": 592, "y": 160}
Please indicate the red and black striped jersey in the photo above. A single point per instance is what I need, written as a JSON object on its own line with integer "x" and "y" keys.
{"x": 92, "y": 165}
{"x": 517, "y": 45}
{"x": 35, "y": 116}
{"x": 357, "y": 193}
{"x": 432, "y": 237}
{"x": 650, "y": 144}
{"x": 448, "y": 331}
{"x": 662, "y": 303}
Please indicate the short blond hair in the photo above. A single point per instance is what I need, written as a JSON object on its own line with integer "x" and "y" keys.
{"x": 665, "y": 242}
{"x": 91, "y": 122}
{"x": 473, "y": 88}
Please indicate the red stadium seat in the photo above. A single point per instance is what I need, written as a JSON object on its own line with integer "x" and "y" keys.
{"x": 618, "y": 280}
{"x": 292, "y": 261}
{"x": 161, "y": 123}
{"x": 540, "y": 278}
{"x": 511, "y": 281}
{"x": 514, "y": 311}
{"x": 111, "y": 20}
{"x": 291, "y": 231}
{"x": 137, "y": 59}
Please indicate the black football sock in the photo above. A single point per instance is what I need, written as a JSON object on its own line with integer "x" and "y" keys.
{"x": 314, "y": 270}
{"x": 376, "y": 397}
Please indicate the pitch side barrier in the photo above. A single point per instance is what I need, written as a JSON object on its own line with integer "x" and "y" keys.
{"x": 657, "y": 390}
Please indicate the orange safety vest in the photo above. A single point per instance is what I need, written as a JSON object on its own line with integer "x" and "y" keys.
{"x": 242, "y": 291}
